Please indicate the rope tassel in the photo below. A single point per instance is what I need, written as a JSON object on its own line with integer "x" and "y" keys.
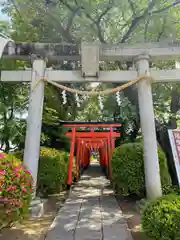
{"x": 100, "y": 102}
{"x": 118, "y": 98}
{"x": 64, "y": 97}
{"x": 77, "y": 100}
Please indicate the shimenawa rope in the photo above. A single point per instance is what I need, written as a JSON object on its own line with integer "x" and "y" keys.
{"x": 94, "y": 93}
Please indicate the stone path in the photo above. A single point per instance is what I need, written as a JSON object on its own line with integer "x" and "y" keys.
{"x": 91, "y": 212}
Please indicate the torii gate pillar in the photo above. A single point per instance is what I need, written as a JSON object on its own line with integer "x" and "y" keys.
{"x": 32, "y": 142}
{"x": 151, "y": 162}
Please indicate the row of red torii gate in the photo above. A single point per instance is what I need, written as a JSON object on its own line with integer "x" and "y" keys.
{"x": 83, "y": 142}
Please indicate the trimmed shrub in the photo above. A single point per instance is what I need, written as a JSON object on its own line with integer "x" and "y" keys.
{"x": 128, "y": 169}
{"x": 52, "y": 172}
{"x": 15, "y": 190}
{"x": 176, "y": 190}
{"x": 173, "y": 190}
{"x": 161, "y": 218}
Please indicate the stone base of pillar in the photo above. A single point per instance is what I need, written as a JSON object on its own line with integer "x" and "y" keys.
{"x": 36, "y": 208}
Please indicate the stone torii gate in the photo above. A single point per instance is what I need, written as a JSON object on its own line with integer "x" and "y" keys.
{"x": 90, "y": 55}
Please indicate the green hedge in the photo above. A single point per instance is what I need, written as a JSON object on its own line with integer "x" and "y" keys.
{"x": 161, "y": 218}
{"x": 173, "y": 190}
{"x": 52, "y": 172}
{"x": 128, "y": 169}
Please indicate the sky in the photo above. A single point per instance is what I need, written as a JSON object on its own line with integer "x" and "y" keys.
{"x": 2, "y": 15}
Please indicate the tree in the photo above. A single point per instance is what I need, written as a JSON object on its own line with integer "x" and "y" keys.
{"x": 5, "y": 28}
{"x": 13, "y": 105}
{"x": 108, "y": 21}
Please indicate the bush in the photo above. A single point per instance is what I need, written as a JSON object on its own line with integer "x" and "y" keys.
{"x": 172, "y": 190}
{"x": 52, "y": 172}
{"x": 128, "y": 169}
{"x": 15, "y": 190}
{"x": 176, "y": 190}
{"x": 161, "y": 218}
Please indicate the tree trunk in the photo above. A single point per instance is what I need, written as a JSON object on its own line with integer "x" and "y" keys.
{"x": 7, "y": 146}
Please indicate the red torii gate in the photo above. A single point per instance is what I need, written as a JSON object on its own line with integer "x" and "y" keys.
{"x": 87, "y": 141}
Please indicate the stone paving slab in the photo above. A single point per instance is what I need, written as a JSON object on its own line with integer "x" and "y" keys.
{"x": 114, "y": 224}
{"x": 90, "y": 222}
{"x": 64, "y": 224}
{"x": 91, "y": 212}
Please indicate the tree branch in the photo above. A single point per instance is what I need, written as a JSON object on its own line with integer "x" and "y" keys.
{"x": 136, "y": 20}
{"x": 109, "y": 7}
{"x": 132, "y": 7}
{"x": 175, "y": 3}
{"x": 67, "y": 5}
{"x": 71, "y": 18}
{"x": 99, "y": 33}
{"x": 162, "y": 30}
{"x": 146, "y": 29}
{"x": 98, "y": 28}
{"x": 16, "y": 9}
{"x": 96, "y": 22}
{"x": 11, "y": 113}
{"x": 63, "y": 31}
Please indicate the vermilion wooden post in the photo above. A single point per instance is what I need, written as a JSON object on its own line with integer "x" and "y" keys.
{"x": 103, "y": 156}
{"x": 69, "y": 177}
{"x": 113, "y": 144}
{"x": 105, "y": 153}
{"x": 106, "y": 157}
{"x": 80, "y": 157}
{"x": 85, "y": 156}
{"x": 109, "y": 157}
{"x": 89, "y": 156}
{"x": 81, "y": 153}
{"x": 100, "y": 157}
{"x": 77, "y": 159}
{"x": 83, "y": 149}
{"x": 111, "y": 134}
